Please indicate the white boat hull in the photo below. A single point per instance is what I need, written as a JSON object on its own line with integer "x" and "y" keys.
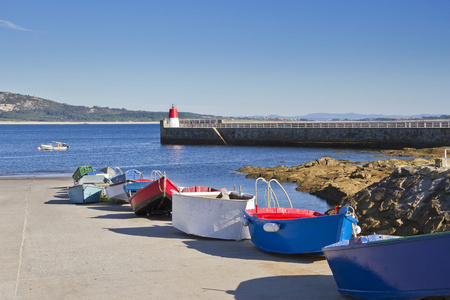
{"x": 116, "y": 192}
{"x": 202, "y": 214}
{"x": 50, "y": 147}
{"x": 94, "y": 179}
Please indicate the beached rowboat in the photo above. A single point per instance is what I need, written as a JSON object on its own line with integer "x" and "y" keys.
{"x": 388, "y": 267}
{"x": 81, "y": 171}
{"x": 154, "y": 198}
{"x": 213, "y": 214}
{"x": 118, "y": 192}
{"x": 290, "y": 230}
{"x": 94, "y": 177}
{"x": 84, "y": 193}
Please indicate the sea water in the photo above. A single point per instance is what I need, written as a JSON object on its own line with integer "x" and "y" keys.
{"x": 137, "y": 146}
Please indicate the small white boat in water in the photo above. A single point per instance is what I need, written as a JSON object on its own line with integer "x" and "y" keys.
{"x": 213, "y": 214}
{"x": 54, "y": 146}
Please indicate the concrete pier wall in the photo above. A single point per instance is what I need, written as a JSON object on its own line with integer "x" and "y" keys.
{"x": 377, "y": 138}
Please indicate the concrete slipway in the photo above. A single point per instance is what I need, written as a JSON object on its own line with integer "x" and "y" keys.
{"x": 51, "y": 249}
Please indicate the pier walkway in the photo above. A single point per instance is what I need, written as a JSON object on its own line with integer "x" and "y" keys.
{"x": 218, "y": 123}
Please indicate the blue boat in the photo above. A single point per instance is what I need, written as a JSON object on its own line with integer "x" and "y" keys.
{"x": 129, "y": 175}
{"x": 132, "y": 187}
{"x": 125, "y": 185}
{"x": 291, "y": 230}
{"x": 84, "y": 193}
{"x": 387, "y": 267}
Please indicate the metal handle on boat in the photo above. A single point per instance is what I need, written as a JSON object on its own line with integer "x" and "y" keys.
{"x": 269, "y": 191}
{"x": 350, "y": 213}
{"x": 256, "y": 191}
{"x": 279, "y": 184}
{"x": 135, "y": 172}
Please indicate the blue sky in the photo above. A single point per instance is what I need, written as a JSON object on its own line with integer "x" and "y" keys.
{"x": 231, "y": 57}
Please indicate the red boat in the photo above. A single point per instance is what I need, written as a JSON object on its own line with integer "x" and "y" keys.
{"x": 155, "y": 198}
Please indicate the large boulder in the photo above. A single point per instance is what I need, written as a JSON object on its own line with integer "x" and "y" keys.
{"x": 412, "y": 200}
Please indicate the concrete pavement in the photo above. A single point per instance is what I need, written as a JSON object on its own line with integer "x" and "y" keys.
{"x": 52, "y": 249}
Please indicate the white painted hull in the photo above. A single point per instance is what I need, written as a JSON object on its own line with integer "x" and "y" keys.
{"x": 93, "y": 179}
{"x": 50, "y": 147}
{"x": 204, "y": 215}
{"x": 116, "y": 192}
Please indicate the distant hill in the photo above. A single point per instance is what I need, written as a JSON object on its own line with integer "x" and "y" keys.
{"x": 17, "y": 107}
{"x": 353, "y": 116}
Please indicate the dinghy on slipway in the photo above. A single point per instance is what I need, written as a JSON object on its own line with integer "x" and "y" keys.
{"x": 210, "y": 213}
{"x": 291, "y": 230}
{"x": 154, "y": 198}
{"x": 84, "y": 193}
{"x": 392, "y": 267}
{"x": 117, "y": 190}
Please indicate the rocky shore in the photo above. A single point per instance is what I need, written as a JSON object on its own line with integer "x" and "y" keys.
{"x": 402, "y": 197}
{"x": 412, "y": 200}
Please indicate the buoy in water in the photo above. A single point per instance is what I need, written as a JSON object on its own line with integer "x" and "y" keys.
{"x": 173, "y": 117}
{"x": 39, "y": 148}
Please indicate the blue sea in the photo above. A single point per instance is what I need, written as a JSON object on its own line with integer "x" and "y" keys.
{"x": 137, "y": 146}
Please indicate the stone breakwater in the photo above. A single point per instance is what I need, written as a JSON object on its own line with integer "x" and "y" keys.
{"x": 412, "y": 200}
{"x": 375, "y": 135}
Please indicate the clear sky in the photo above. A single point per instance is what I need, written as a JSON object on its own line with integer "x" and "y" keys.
{"x": 231, "y": 57}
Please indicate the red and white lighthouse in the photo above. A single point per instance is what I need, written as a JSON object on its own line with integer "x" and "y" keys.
{"x": 173, "y": 117}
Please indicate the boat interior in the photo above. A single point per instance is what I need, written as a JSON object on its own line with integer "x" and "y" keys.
{"x": 282, "y": 213}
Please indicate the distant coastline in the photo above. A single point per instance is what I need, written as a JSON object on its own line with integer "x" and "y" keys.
{"x": 67, "y": 123}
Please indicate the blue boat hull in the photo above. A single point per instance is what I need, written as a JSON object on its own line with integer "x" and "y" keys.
{"x": 119, "y": 178}
{"x": 133, "y": 187}
{"x": 84, "y": 193}
{"x": 380, "y": 267}
{"x": 301, "y": 235}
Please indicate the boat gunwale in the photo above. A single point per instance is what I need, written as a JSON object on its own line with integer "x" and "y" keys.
{"x": 300, "y": 214}
{"x": 391, "y": 240}
{"x": 211, "y": 196}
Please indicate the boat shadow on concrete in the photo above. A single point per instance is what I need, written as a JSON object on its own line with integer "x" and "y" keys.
{"x": 61, "y": 199}
{"x": 62, "y": 188}
{"x": 157, "y": 231}
{"x": 62, "y": 196}
{"x": 244, "y": 249}
{"x": 124, "y": 211}
{"x": 110, "y": 206}
{"x": 288, "y": 287}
